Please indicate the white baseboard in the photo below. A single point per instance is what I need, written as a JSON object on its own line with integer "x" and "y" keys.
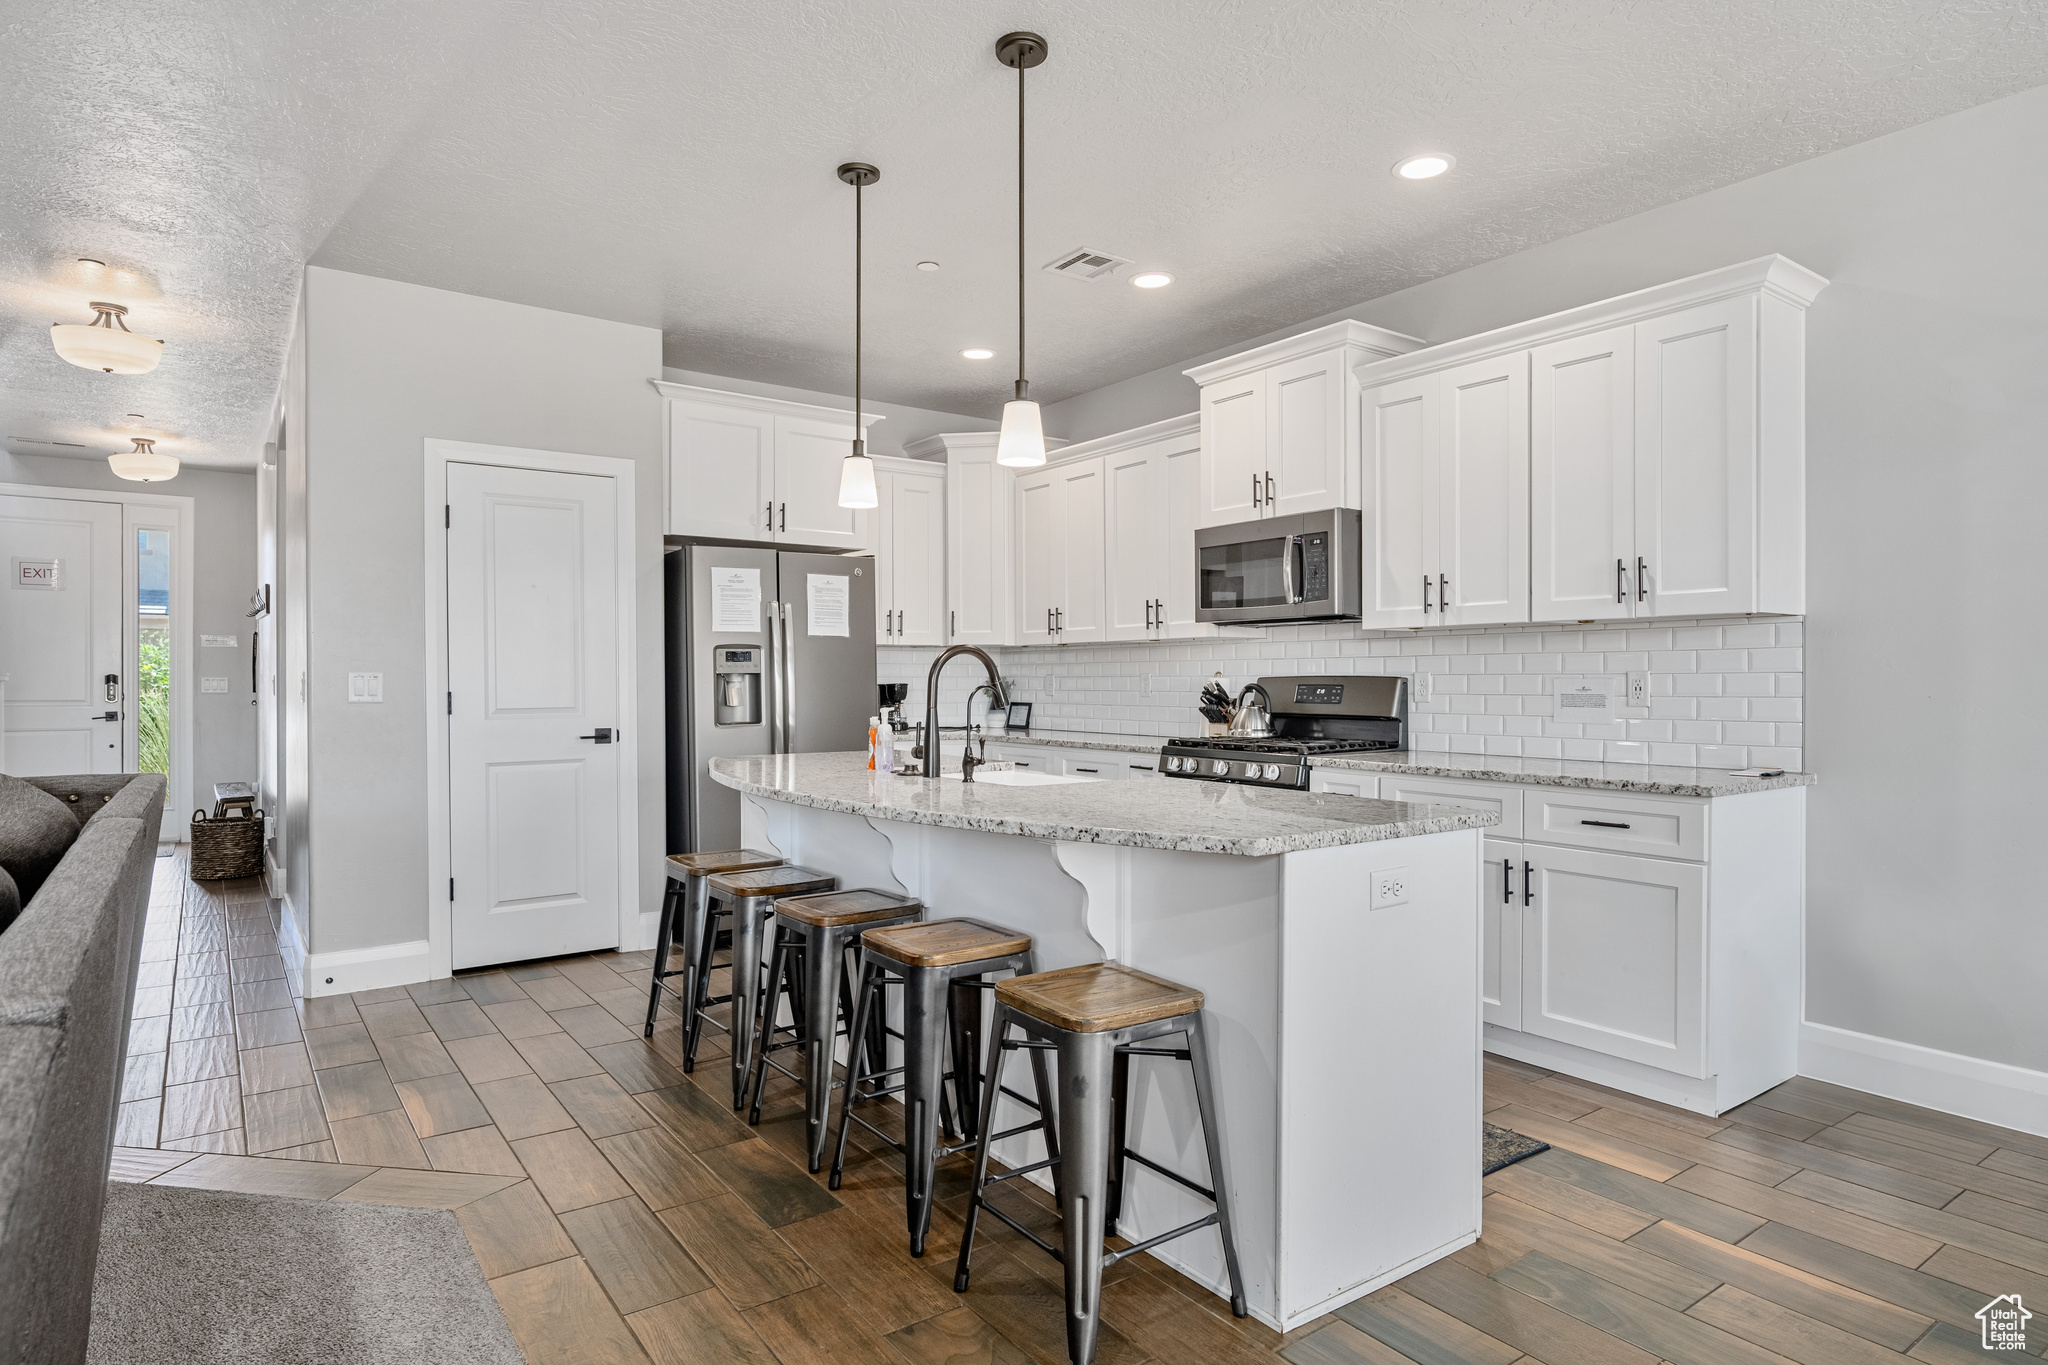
{"x": 1990, "y": 1092}
{"x": 289, "y": 945}
{"x": 367, "y": 969}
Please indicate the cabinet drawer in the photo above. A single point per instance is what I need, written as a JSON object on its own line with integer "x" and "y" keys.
{"x": 1504, "y": 801}
{"x": 1107, "y": 767}
{"x": 1343, "y": 782}
{"x": 1662, "y": 827}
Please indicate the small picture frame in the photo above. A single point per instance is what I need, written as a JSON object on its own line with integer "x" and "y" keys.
{"x": 1019, "y": 716}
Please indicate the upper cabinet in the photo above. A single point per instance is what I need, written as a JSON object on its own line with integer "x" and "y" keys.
{"x": 742, "y": 467}
{"x": 1060, "y": 553}
{"x": 910, "y": 552}
{"x": 1639, "y": 457}
{"x": 1280, "y": 426}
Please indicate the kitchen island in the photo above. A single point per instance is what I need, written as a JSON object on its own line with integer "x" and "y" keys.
{"x": 1346, "y": 1037}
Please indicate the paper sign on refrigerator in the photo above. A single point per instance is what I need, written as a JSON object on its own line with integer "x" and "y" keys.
{"x": 735, "y": 599}
{"x": 830, "y": 597}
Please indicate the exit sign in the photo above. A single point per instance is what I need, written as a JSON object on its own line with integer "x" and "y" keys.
{"x": 45, "y": 575}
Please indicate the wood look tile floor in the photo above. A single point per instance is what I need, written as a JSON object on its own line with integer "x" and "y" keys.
{"x": 622, "y": 1213}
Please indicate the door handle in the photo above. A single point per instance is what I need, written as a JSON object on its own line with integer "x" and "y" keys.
{"x": 1426, "y": 584}
{"x": 789, "y": 682}
{"x": 1528, "y": 883}
{"x": 774, "y": 680}
{"x": 603, "y": 735}
{"x": 785, "y": 518}
{"x": 111, "y": 715}
{"x": 1642, "y": 579}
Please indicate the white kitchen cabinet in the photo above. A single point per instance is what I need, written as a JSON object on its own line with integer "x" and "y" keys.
{"x": 1060, "y": 553}
{"x": 981, "y": 548}
{"x": 1137, "y": 559}
{"x": 1280, "y": 426}
{"x": 910, "y": 552}
{"x": 1500, "y": 932}
{"x": 742, "y": 467}
{"x": 1338, "y": 782}
{"x": 1582, "y": 477}
{"x": 1398, "y": 518}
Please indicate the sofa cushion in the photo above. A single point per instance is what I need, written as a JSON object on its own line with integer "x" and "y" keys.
{"x": 35, "y": 831}
{"x": 10, "y": 900}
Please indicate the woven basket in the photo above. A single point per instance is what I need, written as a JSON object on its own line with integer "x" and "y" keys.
{"x": 227, "y": 848}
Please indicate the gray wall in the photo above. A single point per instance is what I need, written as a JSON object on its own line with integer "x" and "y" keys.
{"x": 1927, "y": 401}
{"x": 900, "y": 425}
{"x": 387, "y": 366}
{"x": 223, "y": 576}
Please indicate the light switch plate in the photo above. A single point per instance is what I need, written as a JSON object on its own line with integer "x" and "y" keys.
{"x": 366, "y": 687}
{"x": 217, "y": 642}
{"x": 213, "y": 684}
{"x": 1638, "y": 688}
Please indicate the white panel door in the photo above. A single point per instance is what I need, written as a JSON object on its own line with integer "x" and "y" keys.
{"x": 1041, "y": 583}
{"x": 1399, "y": 518}
{"x": 916, "y": 552}
{"x": 1500, "y": 932}
{"x": 1234, "y": 434}
{"x": 980, "y": 568}
{"x": 1136, "y": 561}
{"x": 1305, "y": 451}
{"x": 61, "y": 623}
{"x": 1696, "y": 460}
{"x": 1582, "y": 477}
{"x": 1614, "y": 956}
{"x": 1080, "y": 619}
{"x": 808, "y": 454}
{"x": 533, "y": 657}
{"x": 1183, "y": 515}
{"x": 1482, "y": 482}
{"x": 721, "y": 471}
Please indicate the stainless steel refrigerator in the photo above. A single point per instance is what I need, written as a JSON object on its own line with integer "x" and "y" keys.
{"x": 770, "y": 651}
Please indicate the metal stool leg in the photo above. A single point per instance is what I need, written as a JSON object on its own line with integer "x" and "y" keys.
{"x": 1119, "y": 1138}
{"x": 771, "y": 1006}
{"x": 870, "y": 987}
{"x": 694, "y": 912}
{"x": 965, "y": 1017}
{"x": 1084, "y": 1123}
{"x": 699, "y": 988}
{"x": 824, "y": 951}
{"x": 748, "y": 920}
{"x": 1205, "y": 1100}
{"x": 924, "y": 1000}
{"x": 991, "y": 1087}
{"x": 663, "y": 936}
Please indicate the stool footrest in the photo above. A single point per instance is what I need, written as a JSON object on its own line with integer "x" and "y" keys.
{"x": 1047, "y": 1247}
{"x": 1016, "y": 1171}
{"x": 1175, "y": 1176}
{"x": 1177, "y": 1053}
{"x": 1110, "y": 1258}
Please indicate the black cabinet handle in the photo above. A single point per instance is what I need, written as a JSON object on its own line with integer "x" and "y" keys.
{"x": 1621, "y": 580}
{"x": 1426, "y": 585}
{"x": 1269, "y": 489}
{"x": 1642, "y": 579}
{"x": 1605, "y": 824}
{"x": 1528, "y": 883}
{"x": 1087, "y": 770}
{"x": 785, "y": 518}
{"x": 1255, "y": 490}
{"x": 602, "y": 736}
{"x": 1507, "y": 881}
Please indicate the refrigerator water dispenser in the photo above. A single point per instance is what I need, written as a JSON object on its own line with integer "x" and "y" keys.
{"x": 736, "y": 685}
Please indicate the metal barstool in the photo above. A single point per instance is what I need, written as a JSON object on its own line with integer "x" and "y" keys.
{"x": 749, "y": 899}
{"x": 941, "y": 964}
{"x": 688, "y": 899}
{"x": 1093, "y": 1017}
{"x": 821, "y": 928}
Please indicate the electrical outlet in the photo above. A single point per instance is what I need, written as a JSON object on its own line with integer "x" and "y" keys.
{"x": 1389, "y": 888}
{"x": 213, "y": 684}
{"x": 1422, "y": 686}
{"x": 1638, "y": 688}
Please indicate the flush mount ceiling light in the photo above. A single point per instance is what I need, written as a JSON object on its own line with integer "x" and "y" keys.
{"x": 143, "y": 464}
{"x": 105, "y": 343}
{"x": 1021, "y": 443}
{"x": 1152, "y": 279}
{"x": 857, "y": 471}
{"x": 978, "y": 353}
{"x": 927, "y": 265}
{"x": 1426, "y": 166}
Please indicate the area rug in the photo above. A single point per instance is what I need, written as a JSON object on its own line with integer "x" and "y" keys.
{"x": 1504, "y": 1147}
{"x": 208, "y": 1276}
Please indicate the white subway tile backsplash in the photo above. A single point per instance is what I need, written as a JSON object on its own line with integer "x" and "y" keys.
{"x": 1723, "y": 693}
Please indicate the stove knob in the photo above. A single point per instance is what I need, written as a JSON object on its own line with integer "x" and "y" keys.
{"x": 1174, "y": 765}
{"x": 1220, "y": 768}
{"x": 1272, "y": 772}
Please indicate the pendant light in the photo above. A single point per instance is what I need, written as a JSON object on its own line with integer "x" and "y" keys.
{"x": 1021, "y": 443}
{"x": 144, "y": 464}
{"x": 857, "y": 471}
{"x": 105, "y": 343}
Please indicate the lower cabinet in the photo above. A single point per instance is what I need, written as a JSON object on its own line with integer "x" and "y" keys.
{"x": 1500, "y": 932}
{"x": 1101, "y": 764}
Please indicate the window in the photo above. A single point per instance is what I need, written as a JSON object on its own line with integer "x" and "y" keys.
{"x": 153, "y": 652}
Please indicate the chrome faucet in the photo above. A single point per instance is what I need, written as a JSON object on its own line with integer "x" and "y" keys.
{"x": 928, "y": 752}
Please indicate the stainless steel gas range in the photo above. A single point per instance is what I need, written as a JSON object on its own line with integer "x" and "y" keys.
{"x": 1313, "y": 717}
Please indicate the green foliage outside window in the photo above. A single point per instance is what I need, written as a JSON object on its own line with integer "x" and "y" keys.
{"x": 153, "y": 719}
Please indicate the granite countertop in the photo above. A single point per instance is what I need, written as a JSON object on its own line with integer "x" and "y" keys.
{"x": 1649, "y": 778}
{"x": 1189, "y": 817}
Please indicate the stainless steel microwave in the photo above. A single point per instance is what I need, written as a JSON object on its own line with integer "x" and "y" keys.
{"x": 1298, "y": 568}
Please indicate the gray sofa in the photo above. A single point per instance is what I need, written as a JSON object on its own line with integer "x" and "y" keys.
{"x": 67, "y": 983}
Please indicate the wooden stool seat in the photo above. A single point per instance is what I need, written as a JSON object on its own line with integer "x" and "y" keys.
{"x": 1097, "y": 997}
{"x": 784, "y": 880}
{"x": 730, "y": 860}
{"x": 944, "y": 942}
{"x": 837, "y": 909}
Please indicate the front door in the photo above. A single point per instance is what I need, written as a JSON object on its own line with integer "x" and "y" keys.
{"x": 60, "y": 637}
{"x": 534, "y": 713}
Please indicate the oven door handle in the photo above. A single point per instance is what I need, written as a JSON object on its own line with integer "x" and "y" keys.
{"x": 1290, "y": 580}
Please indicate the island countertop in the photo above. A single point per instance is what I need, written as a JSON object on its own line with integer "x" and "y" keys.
{"x": 1654, "y": 779}
{"x": 1190, "y": 817}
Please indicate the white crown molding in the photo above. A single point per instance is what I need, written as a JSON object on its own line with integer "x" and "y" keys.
{"x": 1377, "y": 341}
{"x": 897, "y": 464}
{"x": 782, "y": 407}
{"x": 1782, "y": 279}
{"x": 1990, "y": 1092}
{"x": 1188, "y": 426}
{"x": 937, "y": 448}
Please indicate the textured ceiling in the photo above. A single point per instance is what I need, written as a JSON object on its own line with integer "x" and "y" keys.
{"x": 670, "y": 164}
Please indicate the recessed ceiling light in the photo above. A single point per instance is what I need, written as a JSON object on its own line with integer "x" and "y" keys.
{"x": 927, "y": 265}
{"x": 87, "y": 260}
{"x": 978, "y": 353}
{"x": 1426, "y": 166}
{"x": 1152, "y": 279}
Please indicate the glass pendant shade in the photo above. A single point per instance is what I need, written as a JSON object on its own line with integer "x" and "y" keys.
{"x": 106, "y": 344}
{"x": 1021, "y": 443}
{"x": 857, "y": 480}
{"x": 144, "y": 464}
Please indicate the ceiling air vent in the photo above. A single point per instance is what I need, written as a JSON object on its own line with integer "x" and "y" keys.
{"x": 1085, "y": 263}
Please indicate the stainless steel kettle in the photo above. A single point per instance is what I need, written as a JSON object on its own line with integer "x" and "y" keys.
{"x": 1252, "y": 720}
